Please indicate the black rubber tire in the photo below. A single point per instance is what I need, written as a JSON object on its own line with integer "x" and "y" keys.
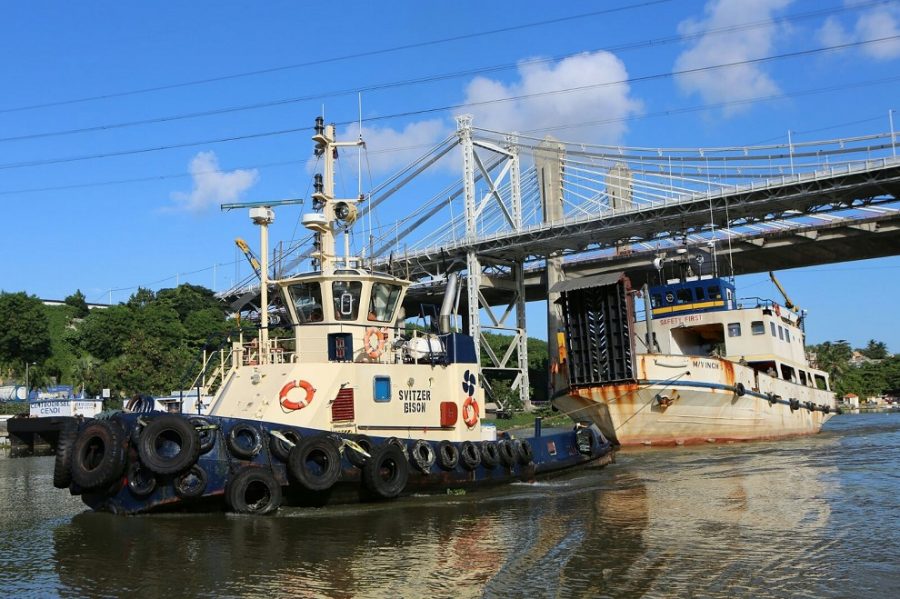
{"x": 141, "y": 481}
{"x": 191, "y": 483}
{"x": 253, "y": 490}
{"x": 739, "y": 389}
{"x": 507, "y": 452}
{"x": 244, "y": 441}
{"x": 422, "y": 455}
{"x": 98, "y": 456}
{"x": 400, "y": 444}
{"x": 794, "y": 404}
{"x": 205, "y": 433}
{"x": 524, "y": 451}
{"x": 315, "y": 463}
{"x": 62, "y": 465}
{"x": 447, "y": 455}
{"x": 169, "y": 444}
{"x": 469, "y": 455}
{"x": 356, "y": 458}
{"x": 279, "y": 448}
{"x": 490, "y": 454}
{"x": 386, "y": 474}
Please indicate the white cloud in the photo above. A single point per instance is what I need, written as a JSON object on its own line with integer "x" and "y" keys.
{"x": 875, "y": 23}
{"x": 543, "y": 109}
{"x": 213, "y": 186}
{"x": 388, "y": 150}
{"x": 737, "y": 82}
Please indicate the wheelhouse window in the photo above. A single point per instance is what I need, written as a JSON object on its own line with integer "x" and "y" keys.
{"x": 307, "y": 300}
{"x": 787, "y": 335}
{"x": 346, "y": 296}
{"x": 757, "y": 327}
{"x": 684, "y": 296}
{"x": 772, "y": 326}
{"x": 656, "y": 300}
{"x": 714, "y": 293}
{"x": 383, "y": 301}
{"x": 780, "y": 333}
{"x": 734, "y": 329}
{"x": 698, "y": 293}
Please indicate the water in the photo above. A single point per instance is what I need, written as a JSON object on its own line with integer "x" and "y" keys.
{"x": 810, "y": 517}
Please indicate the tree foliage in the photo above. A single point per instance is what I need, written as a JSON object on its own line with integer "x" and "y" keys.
{"x": 77, "y": 301}
{"x": 875, "y": 350}
{"x": 866, "y": 380}
{"x": 25, "y": 333}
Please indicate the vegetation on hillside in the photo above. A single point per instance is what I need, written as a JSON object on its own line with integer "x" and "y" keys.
{"x": 873, "y": 377}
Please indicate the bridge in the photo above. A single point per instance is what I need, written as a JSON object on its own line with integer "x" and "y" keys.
{"x": 529, "y": 212}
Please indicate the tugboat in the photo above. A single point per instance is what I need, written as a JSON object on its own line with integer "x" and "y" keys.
{"x": 347, "y": 407}
{"x": 710, "y": 367}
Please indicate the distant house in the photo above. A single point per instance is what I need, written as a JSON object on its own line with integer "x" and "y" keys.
{"x": 858, "y": 359}
{"x": 851, "y": 400}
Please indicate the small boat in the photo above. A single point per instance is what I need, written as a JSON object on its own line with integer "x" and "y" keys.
{"x": 702, "y": 366}
{"x": 348, "y": 406}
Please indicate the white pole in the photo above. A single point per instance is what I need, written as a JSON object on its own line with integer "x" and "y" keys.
{"x": 791, "y": 151}
{"x": 893, "y": 140}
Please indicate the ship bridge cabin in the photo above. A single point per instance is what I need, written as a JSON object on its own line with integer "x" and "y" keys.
{"x": 703, "y": 317}
{"x": 352, "y": 315}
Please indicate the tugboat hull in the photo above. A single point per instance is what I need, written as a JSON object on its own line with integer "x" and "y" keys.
{"x": 138, "y": 463}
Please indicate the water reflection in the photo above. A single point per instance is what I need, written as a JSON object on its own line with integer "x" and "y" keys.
{"x": 541, "y": 537}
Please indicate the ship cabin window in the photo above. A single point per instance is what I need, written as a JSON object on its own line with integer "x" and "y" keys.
{"x": 780, "y": 333}
{"x": 802, "y": 377}
{"x": 714, "y": 293}
{"x": 758, "y": 327}
{"x": 381, "y": 388}
{"x": 787, "y": 373}
{"x": 307, "y": 300}
{"x": 684, "y": 296}
{"x": 772, "y": 326}
{"x": 346, "y": 296}
{"x": 765, "y": 367}
{"x": 787, "y": 335}
{"x": 734, "y": 329}
{"x": 698, "y": 293}
{"x": 821, "y": 383}
{"x": 656, "y": 300}
{"x": 383, "y": 301}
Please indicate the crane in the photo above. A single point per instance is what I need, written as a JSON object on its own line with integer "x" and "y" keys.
{"x": 787, "y": 301}
{"x": 251, "y": 257}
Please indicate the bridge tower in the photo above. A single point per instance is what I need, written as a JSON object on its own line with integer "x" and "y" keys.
{"x": 513, "y": 265}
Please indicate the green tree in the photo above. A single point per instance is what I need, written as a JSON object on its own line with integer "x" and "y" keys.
{"x": 875, "y": 350}
{"x": 103, "y": 332}
{"x": 77, "y": 301}
{"x": 24, "y": 334}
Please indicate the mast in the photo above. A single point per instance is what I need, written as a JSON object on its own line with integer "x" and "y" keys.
{"x": 336, "y": 213}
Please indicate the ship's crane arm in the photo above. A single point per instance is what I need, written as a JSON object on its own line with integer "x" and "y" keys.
{"x": 787, "y": 301}
{"x": 251, "y": 257}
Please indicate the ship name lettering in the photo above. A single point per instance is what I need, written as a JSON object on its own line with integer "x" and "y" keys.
{"x": 414, "y": 394}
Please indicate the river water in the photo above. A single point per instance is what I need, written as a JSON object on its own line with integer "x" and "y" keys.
{"x": 809, "y": 517}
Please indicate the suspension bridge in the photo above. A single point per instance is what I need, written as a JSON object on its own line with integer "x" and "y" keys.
{"x": 529, "y": 212}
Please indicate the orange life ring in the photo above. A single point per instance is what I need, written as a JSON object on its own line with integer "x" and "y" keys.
{"x": 374, "y": 351}
{"x": 470, "y": 411}
{"x": 296, "y": 405}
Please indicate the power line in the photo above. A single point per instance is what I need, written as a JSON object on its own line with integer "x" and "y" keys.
{"x": 643, "y": 44}
{"x": 341, "y": 58}
{"x": 419, "y": 112}
{"x": 661, "y": 113}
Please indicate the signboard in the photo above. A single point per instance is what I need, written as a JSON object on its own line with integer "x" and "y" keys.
{"x": 66, "y": 407}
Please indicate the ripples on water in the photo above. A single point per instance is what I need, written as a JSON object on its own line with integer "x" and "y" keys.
{"x": 808, "y": 517}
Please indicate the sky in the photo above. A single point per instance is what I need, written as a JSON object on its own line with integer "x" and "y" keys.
{"x": 124, "y": 126}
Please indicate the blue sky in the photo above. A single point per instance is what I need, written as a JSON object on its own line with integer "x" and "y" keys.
{"x": 135, "y": 215}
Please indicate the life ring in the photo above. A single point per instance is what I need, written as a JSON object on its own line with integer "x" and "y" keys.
{"x": 470, "y": 412}
{"x": 296, "y": 405}
{"x": 374, "y": 351}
